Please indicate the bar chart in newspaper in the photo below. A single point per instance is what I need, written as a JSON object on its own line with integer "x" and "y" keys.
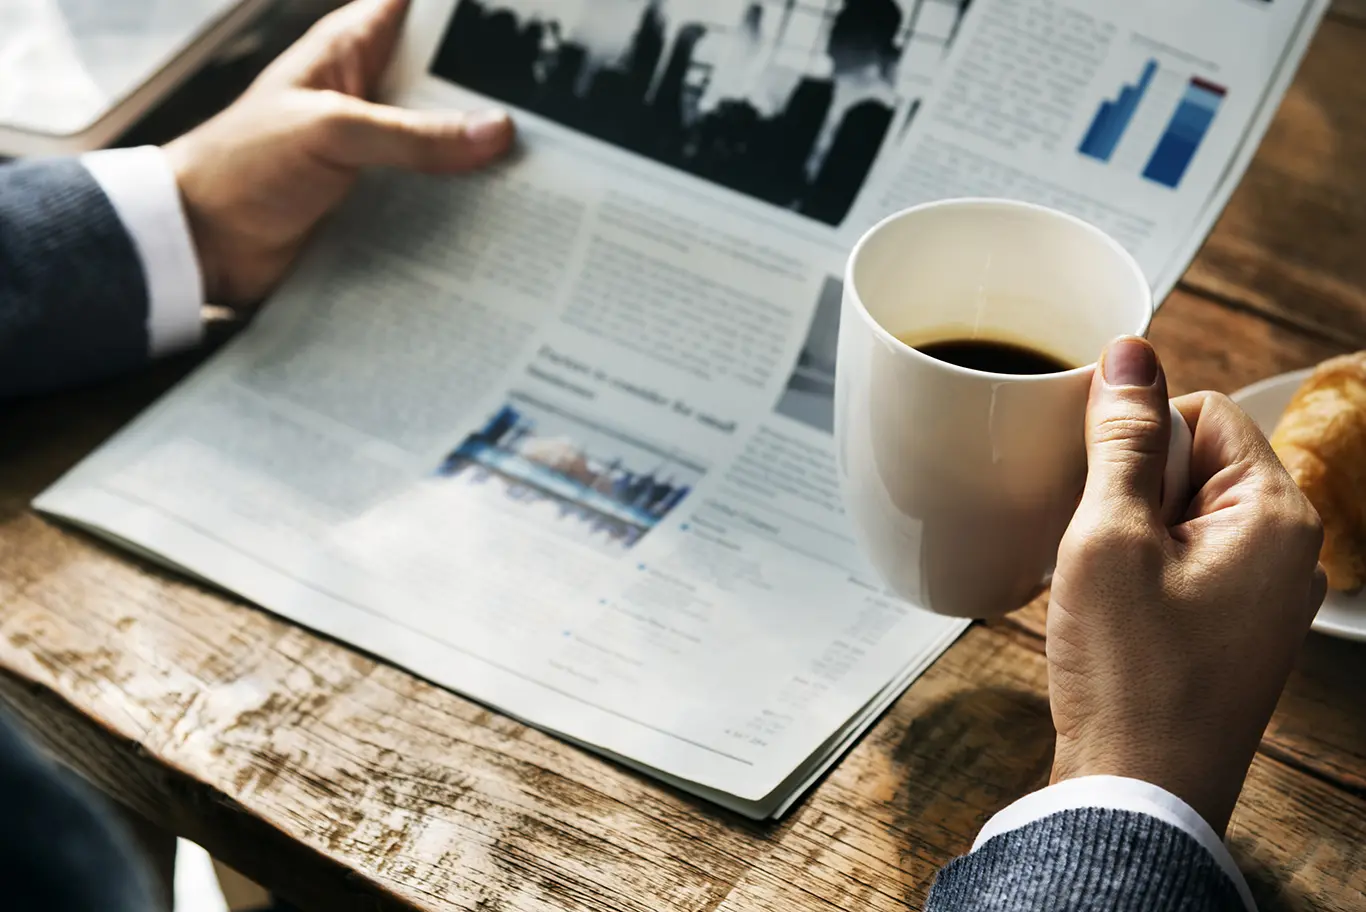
{"x": 1154, "y": 123}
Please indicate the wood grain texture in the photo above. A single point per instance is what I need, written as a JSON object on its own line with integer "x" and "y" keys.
{"x": 221, "y": 719}
{"x": 1292, "y": 239}
{"x": 1350, "y": 11}
{"x": 1206, "y": 346}
{"x": 348, "y": 784}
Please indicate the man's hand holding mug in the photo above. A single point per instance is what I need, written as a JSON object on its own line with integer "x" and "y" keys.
{"x": 1184, "y": 556}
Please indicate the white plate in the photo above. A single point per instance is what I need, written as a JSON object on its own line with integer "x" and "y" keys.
{"x": 1341, "y": 615}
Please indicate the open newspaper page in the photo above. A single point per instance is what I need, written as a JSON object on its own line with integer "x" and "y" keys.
{"x": 1138, "y": 117}
{"x": 558, "y": 435}
{"x": 1295, "y": 49}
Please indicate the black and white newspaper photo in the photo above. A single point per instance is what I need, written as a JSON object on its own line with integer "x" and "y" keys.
{"x": 787, "y": 102}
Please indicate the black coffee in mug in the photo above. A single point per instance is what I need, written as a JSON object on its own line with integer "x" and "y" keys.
{"x": 994, "y": 356}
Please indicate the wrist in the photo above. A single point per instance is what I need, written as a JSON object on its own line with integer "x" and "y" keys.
{"x": 181, "y": 158}
{"x": 1210, "y": 787}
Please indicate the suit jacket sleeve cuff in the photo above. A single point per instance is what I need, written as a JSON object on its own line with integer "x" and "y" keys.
{"x": 1119, "y": 794}
{"x": 142, "y": 189}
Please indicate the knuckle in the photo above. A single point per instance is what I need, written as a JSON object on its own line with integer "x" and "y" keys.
{"x": 334, "y": 109}
{"x": 1292, "y": 519}
{"x": 1108, "y": 540}
{"x": 1319, "y": 587}
{"x": 1225, "y": 412}
{"x": 1219, "y": 401}
{"x": 1311, "y": 526}
{"x": 322, "y": 117}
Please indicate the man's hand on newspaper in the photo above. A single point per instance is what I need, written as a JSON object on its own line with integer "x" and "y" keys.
{"x": 1168, "y": 647}
{"x": 257, "y": 179}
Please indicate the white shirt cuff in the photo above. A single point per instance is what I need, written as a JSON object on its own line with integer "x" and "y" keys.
{"x": 142, "y": 189}
{"x": 1119, "y": 794}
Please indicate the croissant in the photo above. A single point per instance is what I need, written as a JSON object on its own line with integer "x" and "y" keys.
{"x": 1321, "y": 439}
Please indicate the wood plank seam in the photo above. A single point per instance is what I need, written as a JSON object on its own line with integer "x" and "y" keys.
{"x": 1248, "y": 846}
{"x": 1347, "y": 13}
{"x": 1273, "y": 751}
{"x": 1282, "y": 320}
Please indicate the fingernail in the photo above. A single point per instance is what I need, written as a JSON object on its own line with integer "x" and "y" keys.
{"x": 1131, "y": 362}
{"x": 485, "y": 126}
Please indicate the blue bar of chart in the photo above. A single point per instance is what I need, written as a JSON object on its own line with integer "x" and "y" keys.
{"x": 1113, "y": 117}
{"x": 1187, "y": 128}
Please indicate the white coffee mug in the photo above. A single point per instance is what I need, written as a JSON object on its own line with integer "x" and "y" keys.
{"x": 959, "y": 482}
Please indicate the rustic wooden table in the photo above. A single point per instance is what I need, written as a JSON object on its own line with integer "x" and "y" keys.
{"x": 346, "y": 783}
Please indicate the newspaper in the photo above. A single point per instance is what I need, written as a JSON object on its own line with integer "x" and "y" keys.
{"x": 1130, "y": 116}
{"x": 66, "y": 63}
{"x": 558, "y": 435}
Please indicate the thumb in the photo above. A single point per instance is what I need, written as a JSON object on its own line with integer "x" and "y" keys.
{"x": 1127, "y": 426}
{"x": 359, "y": 134}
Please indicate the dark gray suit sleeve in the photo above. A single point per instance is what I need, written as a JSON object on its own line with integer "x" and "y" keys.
{"x": 1087, "y": 859}
{"x": 73, "y": 299}
{"x": 61, "y": 850}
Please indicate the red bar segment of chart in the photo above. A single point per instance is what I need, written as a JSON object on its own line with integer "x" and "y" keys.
{"x": 1185, "y": 131}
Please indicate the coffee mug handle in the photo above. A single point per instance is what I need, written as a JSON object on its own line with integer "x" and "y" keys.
{"x": 1176, "y": 481}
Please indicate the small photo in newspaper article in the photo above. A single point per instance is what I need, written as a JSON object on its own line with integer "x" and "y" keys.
{"x": 787, "y": 102}
{"x": 585, "y": 478}
{"x": 809, "y": 396}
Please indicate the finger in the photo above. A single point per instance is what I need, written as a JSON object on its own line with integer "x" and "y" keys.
{"x": 1227, "y": 447}
{"x": 1240, "y": 485}
{"x": 374, "y": 32}
{"x": 1127, "y": 427}
{"x": 360, "y": 134}
{"x": 355, "y": 41}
